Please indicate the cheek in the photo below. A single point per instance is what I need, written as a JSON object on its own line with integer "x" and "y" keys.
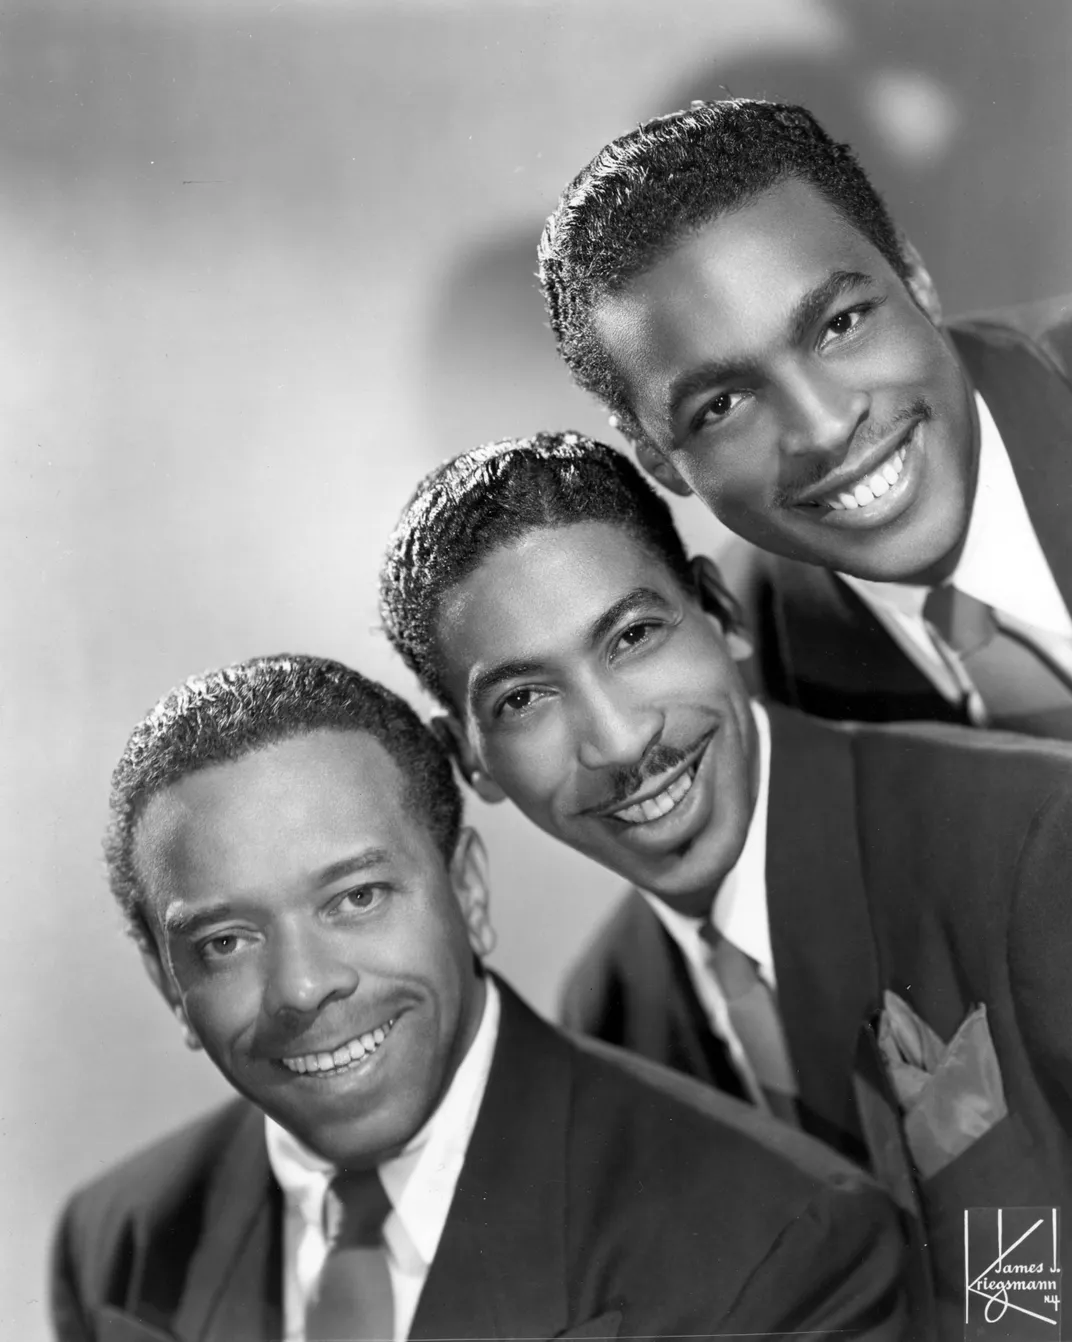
{"x": 222, "y": 1010}
{"x": 532, "y": 767}
{"x": 735, "y": 473}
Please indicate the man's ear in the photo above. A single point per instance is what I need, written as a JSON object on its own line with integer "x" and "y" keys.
{"x": 657, "y": 466}
{"x": 165, "y": 984}
{"x": 720, "y": 603}
{"x": 451, "y": 735}
{"x": 469, "y": 878}
{"x": 919, "y": 282}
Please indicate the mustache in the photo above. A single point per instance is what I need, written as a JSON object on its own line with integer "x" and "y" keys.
{"x": 815, "y": 473}
{"x": 661, "y": 758}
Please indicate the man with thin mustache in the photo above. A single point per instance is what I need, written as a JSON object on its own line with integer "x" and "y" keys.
{"x": 863, "y": 929}
{"x": 729, "y": 283}
{"x": 414, "y": 1154}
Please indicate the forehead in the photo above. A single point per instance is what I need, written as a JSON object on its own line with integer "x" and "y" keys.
{"x": 735, "y": 279}
{"x": 537, "y": 598}
{"x": 273, "y": 817}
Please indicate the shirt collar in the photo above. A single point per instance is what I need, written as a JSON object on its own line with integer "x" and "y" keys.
{"x": 739, "y": 908}
{"x": 1001, "y": 562}
{"x": 420, "y": 1180}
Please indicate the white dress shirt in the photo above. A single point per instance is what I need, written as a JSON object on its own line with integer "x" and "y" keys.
{"x": 1001, "y": 564}
{"x": 739, "y": 913}
{"x": 419, "y": 1184}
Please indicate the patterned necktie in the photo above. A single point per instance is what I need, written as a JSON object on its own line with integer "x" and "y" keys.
{"x": 354, "y": 1300}
{"x": 753, "y": 1013}
{"x": 1021, "y": 689}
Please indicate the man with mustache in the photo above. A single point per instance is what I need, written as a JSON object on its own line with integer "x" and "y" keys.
{"x": 861, "y": 928}
{"x": 729, "y": 283}
{"x": 415, "y": 1155}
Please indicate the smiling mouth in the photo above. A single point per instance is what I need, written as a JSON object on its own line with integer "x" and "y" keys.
{"x": 326, "y": 1064}
{"x": 670, "y": 795}
{"x": 870, "y": 485}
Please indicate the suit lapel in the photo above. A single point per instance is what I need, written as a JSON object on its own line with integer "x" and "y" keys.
{"x": 668, "y": 1022}
{"x": 836, "y": 658}
{"x": 500, "y": 1270}
{"x": 1032, "y": 407}
{"x": 233, "y": 1288}
{"x": 824, "y": 955}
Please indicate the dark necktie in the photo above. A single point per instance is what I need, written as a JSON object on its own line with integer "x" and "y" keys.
{"x": 354, "y": 1300}
{"x": 753, "y": 1013}
{"x": 1021, "y": 689}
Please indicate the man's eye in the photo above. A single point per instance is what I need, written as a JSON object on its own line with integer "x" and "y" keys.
{"x": 636, "y": 634}
{"x": 364, "y": 897}
{"x": 510, "y": 705}
{"x": 845, "y": 323}
{"x": 220, "y": 947}
{"x": 719, "y": 407}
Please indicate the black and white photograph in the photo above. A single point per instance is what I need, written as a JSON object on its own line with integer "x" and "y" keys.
{"x": 536, "y": 685}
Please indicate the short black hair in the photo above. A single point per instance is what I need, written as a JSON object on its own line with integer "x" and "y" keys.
{"x": 493, "y": 496}
{"x": 648, "y": 189}
{"x": 222, "y": 715}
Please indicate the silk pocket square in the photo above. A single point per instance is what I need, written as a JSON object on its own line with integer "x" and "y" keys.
{"x": 950, "y": 1094}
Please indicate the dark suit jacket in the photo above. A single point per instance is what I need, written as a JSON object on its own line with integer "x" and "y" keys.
{"x": 931, "y": 860}
{"x": 819, "y": 648}
{"x": 594, "y": 1203}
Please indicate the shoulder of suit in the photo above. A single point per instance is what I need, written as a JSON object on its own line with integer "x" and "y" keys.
{"x": 161, "y": 1172}
{"x": 1052, "y": 759}
{"x": 1046, "y": 324}
{"x": 671, "y": 1122}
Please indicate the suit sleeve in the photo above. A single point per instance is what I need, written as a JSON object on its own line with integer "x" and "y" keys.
{"x": 836, "y": 1273}
{"x": 1040, "y": 949}
{"x": 69, "y": 1321}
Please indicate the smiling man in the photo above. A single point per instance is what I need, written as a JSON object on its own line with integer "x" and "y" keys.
{"x": 861, "y": 929}
{"x": 415, "y": 1154}
{"x": 729, "y": 283}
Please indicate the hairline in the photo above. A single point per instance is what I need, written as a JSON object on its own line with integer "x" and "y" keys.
{"x": 275, "y": 737}
{"x": 621, "y": 524}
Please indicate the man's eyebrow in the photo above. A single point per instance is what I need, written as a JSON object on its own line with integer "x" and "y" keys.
{"x": 351, "y": 866}
{"x": 485, "y": 681}
{"x": 182, "y": 922}
{"x": 808, "y": 309}
{"x": 639, "y": 596}
{"x": 803, "y": 316}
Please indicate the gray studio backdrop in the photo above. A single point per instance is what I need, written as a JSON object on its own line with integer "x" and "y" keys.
{"x": 265, "y": 264}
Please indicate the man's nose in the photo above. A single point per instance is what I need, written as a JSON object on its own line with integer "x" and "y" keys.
{"x": 822, "y": 415}
{"x": 616, "y": 731}
{"x": 307, "y": 970}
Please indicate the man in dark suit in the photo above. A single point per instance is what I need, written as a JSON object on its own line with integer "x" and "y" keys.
{"x": 415, "y": 1154}
{"x": 862, "y": 928}
{"x": 727, "y": 280}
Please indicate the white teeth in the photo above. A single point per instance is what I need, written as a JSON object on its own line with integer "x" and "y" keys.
{"x": 343, "y": 1056}
{"x": 654, "y": 807}
{"x": 872, "y": 487}
{"x": 878, "y": 484}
